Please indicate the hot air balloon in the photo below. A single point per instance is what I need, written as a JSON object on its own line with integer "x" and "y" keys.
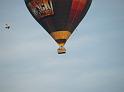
{"x": 59, "y": 17}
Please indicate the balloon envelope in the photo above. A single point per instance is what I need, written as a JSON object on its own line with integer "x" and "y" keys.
{"x": 58, "y": 17}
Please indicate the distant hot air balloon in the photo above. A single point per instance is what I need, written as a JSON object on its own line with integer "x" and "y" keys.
{"x": 7, "y": 26}
{"x": 59, "y": 17}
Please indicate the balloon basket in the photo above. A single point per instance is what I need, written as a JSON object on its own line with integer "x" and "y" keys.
{"x": 61, "y": 50}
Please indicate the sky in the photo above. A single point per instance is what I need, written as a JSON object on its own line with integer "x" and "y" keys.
{"x": 94, "y": 61}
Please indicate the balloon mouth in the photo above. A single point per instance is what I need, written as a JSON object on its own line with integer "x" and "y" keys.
{"x": 61, "y": 37}
{"x": 61, "y": 50}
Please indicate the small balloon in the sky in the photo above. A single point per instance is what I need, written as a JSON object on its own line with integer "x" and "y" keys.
{"x": 7, "y": 26}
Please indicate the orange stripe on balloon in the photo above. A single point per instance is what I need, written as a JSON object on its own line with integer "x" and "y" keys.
{"x": 77, "y": 7}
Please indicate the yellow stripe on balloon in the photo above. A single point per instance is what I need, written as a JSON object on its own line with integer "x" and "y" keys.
{"x": 60, "y": 35}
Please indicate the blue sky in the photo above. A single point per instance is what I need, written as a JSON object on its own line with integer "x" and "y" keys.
{"x": 94, "y": 61}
